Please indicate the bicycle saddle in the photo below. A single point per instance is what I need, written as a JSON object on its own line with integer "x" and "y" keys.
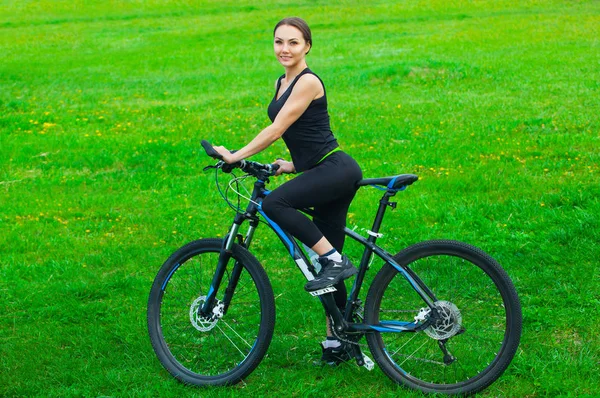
{"x": 393, "y": 182}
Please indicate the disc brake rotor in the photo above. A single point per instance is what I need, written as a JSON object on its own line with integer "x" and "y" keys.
{"x": 200, "y": 322}
{"x": 449, "y": 323}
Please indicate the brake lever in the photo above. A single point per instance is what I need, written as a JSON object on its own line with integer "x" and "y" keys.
{"x": 274, "y": 167}
{"x": 210, "y": 167}
{"x": 219, "y": 165}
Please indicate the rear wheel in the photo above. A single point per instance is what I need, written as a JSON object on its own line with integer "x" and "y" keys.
{"x": 226, "y": 346}
{"x": 477, "y": 330}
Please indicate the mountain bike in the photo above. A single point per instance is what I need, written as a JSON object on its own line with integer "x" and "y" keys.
{"x": 440, "y": 316}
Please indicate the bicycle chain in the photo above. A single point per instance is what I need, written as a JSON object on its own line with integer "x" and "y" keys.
{"x": 367, "y": 346}
{"x": 343, "y": 339}
{"x": 359, "y": 314}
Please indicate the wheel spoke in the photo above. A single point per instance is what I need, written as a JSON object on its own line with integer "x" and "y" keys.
{"x": 212, "y": 349}
{"x": 412, "y": 355}
{"x": 398, "y": 350}
{"x": 231, "y": 341}
{"x": 472, "y": 319}
{"x": 237, "y": 334}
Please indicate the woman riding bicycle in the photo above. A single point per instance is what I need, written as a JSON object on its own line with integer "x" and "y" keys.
{"x": 299, "y": 115}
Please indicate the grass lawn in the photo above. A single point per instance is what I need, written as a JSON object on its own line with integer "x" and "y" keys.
{"x": 494, "y": 104}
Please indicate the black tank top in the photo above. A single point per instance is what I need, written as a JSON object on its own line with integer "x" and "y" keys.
{"x": 310, "y": 137}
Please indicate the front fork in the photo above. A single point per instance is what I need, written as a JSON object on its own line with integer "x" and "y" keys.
{"x": 236, "y": 272}
{"x": 237, "y": 268}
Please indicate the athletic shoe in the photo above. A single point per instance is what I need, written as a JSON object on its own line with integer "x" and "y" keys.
{"x": 331, "y": 273}
{"x": 335, "y": 356}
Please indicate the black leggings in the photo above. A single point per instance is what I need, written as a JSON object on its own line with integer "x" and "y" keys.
{"x": 329, "y": 188}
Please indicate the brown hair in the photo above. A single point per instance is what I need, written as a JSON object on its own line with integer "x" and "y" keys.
{"x": 299, "y": 24}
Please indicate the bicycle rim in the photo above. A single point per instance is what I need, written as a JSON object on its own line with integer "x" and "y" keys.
{"x": 480, "y": 325}
{"x": 209, "y": 351}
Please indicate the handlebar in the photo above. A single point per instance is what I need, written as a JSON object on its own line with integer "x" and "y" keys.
{"x": 258, "y": 170}
{"x": 210, "y": 151}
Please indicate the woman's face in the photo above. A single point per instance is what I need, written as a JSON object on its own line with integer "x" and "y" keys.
{"x": 289, "y": 45}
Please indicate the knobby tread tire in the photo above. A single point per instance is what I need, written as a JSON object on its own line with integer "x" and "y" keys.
{"x": 267, "y": 316}
{"x": 491, "y": 268}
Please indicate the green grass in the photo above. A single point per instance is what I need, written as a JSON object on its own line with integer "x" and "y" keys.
{"x": 102, "y": 106}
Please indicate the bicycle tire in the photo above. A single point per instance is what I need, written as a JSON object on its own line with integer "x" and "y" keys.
{"x": 483, "y": 319}
{"x": 198, "y": 351}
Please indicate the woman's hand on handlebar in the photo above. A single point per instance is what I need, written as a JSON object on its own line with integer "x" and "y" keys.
{"x": 228, "y": 157}
{"x": 284, "y": 167}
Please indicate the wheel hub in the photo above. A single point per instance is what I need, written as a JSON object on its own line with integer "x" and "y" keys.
{"x": 201, "y": 323}
{"x": 447, "y": 325}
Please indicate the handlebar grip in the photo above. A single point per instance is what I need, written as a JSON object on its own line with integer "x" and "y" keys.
{"x": 275, "y": 167}
{"x": 210, "y": 151}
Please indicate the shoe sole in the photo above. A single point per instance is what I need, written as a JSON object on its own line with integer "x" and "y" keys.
{"x": 338, "y": 359}
{"x": 341, "y": 277}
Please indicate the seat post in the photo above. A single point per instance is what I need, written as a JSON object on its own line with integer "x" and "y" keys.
{"x": 383, "y": 204}
{"x": 373, "y": 235}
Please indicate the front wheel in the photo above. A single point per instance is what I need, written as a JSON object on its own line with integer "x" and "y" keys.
{"x": 475, "y": 334}
{"x": 226, "y": 346}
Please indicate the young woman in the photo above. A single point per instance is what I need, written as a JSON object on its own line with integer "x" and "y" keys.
{"x": 299, "y": 115}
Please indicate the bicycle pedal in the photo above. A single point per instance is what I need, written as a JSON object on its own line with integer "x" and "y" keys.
{"x": 368, "y": 363}
{"x": 325, "y": 290}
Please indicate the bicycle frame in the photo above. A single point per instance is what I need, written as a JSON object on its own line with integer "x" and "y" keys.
{"x": 340, "y": 323}
{"x": 477, "y": 299}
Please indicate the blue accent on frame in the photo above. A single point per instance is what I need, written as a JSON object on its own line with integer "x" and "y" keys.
{"x": 169, "y": 277}
{"x": 384, "y": 329}
{"x": 406, "y": 275}
{"x": 396, "y": 323}
{"x": 393, "y": 326}
{"x": 277, "y": 230}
